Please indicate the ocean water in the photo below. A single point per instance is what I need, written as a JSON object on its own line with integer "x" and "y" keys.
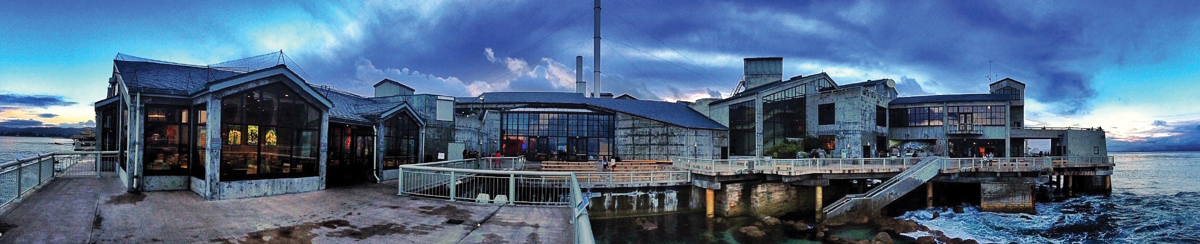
{"x": 1155, "y": 199}
{"x": 13, "y": 147}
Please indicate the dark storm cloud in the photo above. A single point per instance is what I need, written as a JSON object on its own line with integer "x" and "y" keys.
{"x": 47, "y": 115}
{"x": 1185, "y": 136}
{"x": 1160, "y": 123}
{"x": 20, "y": 123}
{"x": 27, "y": 100}
{"x": 669, "y": 49}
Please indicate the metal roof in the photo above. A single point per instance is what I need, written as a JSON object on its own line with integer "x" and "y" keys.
{"x": 168, "y": 78}
{"x": 667, "y": 112}
{"x": 950, "y": 98}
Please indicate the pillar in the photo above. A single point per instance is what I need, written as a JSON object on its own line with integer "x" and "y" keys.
{"x": 819, "y": 213}
{"x": 862, "y": 186}
{"x": 1070, "y": 185}
{"x": 929, "y": 194}
{"x": 1108, "y": 184}
{"x": 708, "y": 202}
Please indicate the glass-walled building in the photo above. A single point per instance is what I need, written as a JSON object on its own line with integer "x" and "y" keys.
{"x": 557, "y": 134}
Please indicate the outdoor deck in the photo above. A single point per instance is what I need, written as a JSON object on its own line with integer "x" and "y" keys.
{"x": 98, "y": 210}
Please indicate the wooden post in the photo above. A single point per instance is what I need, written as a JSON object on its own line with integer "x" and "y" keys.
{"x": 708, "y": 202}
{"x": 1108, "y": 183}
{"x": 819, "y": 217}
{"x": 929, "y": 194}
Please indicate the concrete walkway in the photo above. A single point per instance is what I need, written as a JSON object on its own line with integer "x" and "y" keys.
{"x": 82, "y": 210}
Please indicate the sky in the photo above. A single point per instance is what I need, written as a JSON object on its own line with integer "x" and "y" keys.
{"x": 1128, "y": 67}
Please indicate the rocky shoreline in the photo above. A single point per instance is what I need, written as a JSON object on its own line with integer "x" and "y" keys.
{"x": 882, "y": 226}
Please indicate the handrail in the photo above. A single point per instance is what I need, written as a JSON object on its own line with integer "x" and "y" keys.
{"x": 24, "y": 174}
{"x": 876, "y": 197}
{"x": 429, "y": 179}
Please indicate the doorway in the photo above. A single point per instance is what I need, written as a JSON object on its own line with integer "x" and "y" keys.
{"x": 351, "y": 153}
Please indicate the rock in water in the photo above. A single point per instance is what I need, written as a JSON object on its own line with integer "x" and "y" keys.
{"x": 926, "y": 240}
{"x": 958, "y": 209}
{"x": 882, "y": 238}
{"x": 770, "y": 221}
{"x": 935, "y": 215}
{"x": 860, "y": 220}
{"x": 752, "y": 231}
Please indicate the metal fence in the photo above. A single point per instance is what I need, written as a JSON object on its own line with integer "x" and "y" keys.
{"x": 878, "y": 165}
{"x": 633, "y": 178}
{"x": 20, "y": 176}
{"x": 493, "y": 181}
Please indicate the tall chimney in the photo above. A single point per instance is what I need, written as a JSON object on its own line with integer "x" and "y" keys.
{"x": 596, "y": 54}
{"x": 580, "y": 85}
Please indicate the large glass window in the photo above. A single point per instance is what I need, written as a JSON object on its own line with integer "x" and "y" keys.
{"x": 826, "y": 114}
{"x": 880, "y": 116}
{"x": 1012, "y": 93}
{"x": 268, "y": 132}
{"x": 166, "y": 141}
{"x": 783, "y": 117}
{"x": 401, "y": 137}
{"x": 200, "y": 143}
{"x": 976, "y": 115}
{"x": 741, "y": 128}
{"x": 919, "y": 116}
{"x": 557, "y": 136}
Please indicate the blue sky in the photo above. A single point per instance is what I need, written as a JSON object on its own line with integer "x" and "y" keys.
{"x": 1127, "y": 66}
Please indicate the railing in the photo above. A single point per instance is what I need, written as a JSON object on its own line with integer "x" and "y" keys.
{"x": 793, "y": 166}
{"x": 1082, "y": 161}
{"x": 887, "y": 191}
{"x": 1062, "y": 128}
{"x": 632, "y": 178}
{"x": 877, "y": 165}
{"x": 486, "y": 181}
{"x": 21, "y": 176}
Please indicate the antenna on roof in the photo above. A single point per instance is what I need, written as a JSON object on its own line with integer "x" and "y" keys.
{"x": 280, "y": 61}
{"x": 990, "y": 73}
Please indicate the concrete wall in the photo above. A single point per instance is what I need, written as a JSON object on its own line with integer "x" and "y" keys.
{"x": 1007, "y": 197}
{"x": 198, "y": 186}
{"x": 761, "y": 199}
{"x": 165, "y": 182}
{"x": 258, "y": 188}
{"x": 471, "y": 130}
{"x": 854, "y": 124}
{"x": 1085, "y": 143}
{"x": 438, "y": 134}
{"x": 625, "y": 202}
{"x": 640, "y": 138}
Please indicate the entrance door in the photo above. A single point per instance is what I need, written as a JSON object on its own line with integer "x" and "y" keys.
{"x": 966, "y": 122}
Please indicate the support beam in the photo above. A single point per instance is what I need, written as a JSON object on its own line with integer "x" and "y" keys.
{"x": 819, "y": 201}
{"x": 929, "y": 194}
{"x": 1070, "y": 186}
{"x": 708, "y": 202}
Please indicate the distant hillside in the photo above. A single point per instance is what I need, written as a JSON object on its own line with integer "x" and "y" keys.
{"x": 40, "y": 131}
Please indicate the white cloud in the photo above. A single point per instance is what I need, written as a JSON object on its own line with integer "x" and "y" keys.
{"x": 558, "y": 74}
{"x": 491, "y": 56}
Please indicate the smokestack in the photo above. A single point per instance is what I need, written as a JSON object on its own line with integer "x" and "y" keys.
{"x": 580, "y": 86}
{"x": 596, "y": 54}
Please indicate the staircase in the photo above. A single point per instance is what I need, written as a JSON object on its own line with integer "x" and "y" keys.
{"x": 871, "y": 202}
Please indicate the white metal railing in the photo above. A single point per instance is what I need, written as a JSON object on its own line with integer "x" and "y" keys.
{"x": 611, "y": 179}
{"x": 1082, "y": 161}
{"x": 493, "y": 181}
{"x": 19, "y": 177}
{"x": 876, "y": 165}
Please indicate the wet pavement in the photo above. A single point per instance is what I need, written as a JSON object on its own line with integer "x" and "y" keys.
{"x": 98, "y": 210}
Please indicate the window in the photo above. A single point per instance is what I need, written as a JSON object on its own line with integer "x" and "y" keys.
{"x": 166, "y": 141}
{"x": 1096, "y": 149}
{"x": 401, "y": 141}
{"x": 828, "y": 142}
{"x": 783, "y": 117}
{"x": 556, "y": 136}
{"x": 826, "y": 114}
{"x": 880, "y": 116}
{"x": 268, "y": 132}
{"x": 742, "y": 128}
{"x": 978, "y": 115}
{"x": 1013, "y": 93}
{"x": 445, "y": 109}
{"x": 200, "y": 144}
{"x": 919, "y": 116}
